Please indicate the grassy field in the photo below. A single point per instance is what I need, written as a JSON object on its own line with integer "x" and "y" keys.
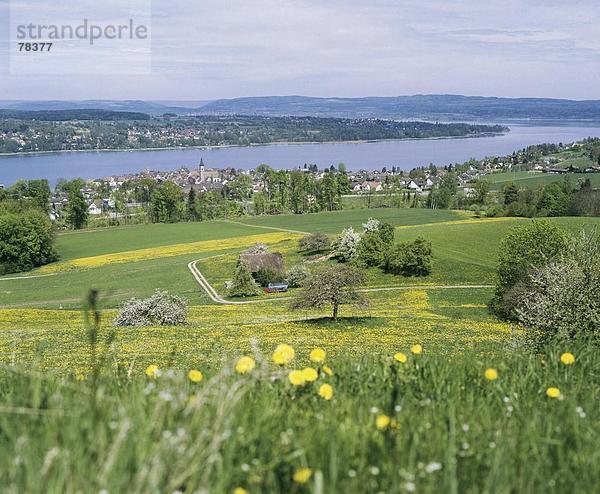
{"x": 367, "y": 424}
{"x": 76, "y": 417}
{"x": 446, "y": 321}
{"x": 534, "y": 179}
{"x": 464, "y": 253}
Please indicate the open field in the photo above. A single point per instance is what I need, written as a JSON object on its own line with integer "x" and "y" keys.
{"x": 464, "y": 253}
{"x": 431, "y": 424}
{"x": 446, "y": 321}
{"x": 533, "y": 179}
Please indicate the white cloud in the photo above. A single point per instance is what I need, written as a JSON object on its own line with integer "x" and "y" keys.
{"x": 210, "y": 49}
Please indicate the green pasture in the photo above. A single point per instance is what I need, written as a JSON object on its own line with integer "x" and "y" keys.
{"x": 535, "y": 179}
{"x": 465, "y": 251}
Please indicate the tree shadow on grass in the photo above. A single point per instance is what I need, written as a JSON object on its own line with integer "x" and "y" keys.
{"x": 344, "y": 321}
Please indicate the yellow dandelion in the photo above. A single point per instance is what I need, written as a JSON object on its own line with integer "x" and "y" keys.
{"x": 326, "y": 391}
{"x": 310, "y": 375}
{"x": 382, "y": 422}
{"x": 318, "y": 355}
{"x": 245, "y": 365}
{"x": 553, "y": 392}
{"x": 416, "y": 349}
{"x": 195, "y": 376}
{"x": 567, "y": 358}
{"x": 400, "y": 357}
{"x": 491, "y": 374}
{"x": 80, "y": 376}
{"x": 327, "y": 370}
{"x": 152, "y": 370}
{"x": 296, "y": 377}
{"x": 283, "y": 354}
{"x": 240, "y": 490}
{"x": 302, "y": 475}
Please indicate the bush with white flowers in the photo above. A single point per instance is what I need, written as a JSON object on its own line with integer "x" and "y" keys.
{"x": 344, "y": 247}
{"x": 161, "y": 309}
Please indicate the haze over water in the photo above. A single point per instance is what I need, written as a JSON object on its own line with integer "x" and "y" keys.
{"x": 370, "y": 155}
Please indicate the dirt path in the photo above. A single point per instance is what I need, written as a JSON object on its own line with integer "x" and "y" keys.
{"x": 215, "y": 297}
{"x": 27, "y": 277}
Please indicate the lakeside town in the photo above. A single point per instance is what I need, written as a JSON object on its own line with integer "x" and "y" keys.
{"x": 242, "y": 184}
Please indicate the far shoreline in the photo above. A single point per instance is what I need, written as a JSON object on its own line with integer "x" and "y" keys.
{"x": 225, "y": 146}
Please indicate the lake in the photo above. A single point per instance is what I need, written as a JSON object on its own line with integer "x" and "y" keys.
{"x": 366, "y": 155}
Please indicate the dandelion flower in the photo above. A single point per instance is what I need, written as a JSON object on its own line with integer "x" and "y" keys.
{"x": 567, "y": 358}
{"x": 302, "y": 475}
{"x": 326, "y": 391}
{"x": 296, "y": 377}
{"x": 327, "y": 370}
{"x": 318, "y": 355}
{"x": 491, "y": 374}
{"x": 553, "y": 392}
{"x": 400, "y": 357}
{"x": 240, "y": 490}
{"x": 152, "y": 370}
{"x": 195, "y": 376}
{"x": 416, "y": 349}
{"x": 245, "y": 365}
{"x": 382, "y": 422}
{"x": 310, "y": 375}
{"x": 283, "y": 354}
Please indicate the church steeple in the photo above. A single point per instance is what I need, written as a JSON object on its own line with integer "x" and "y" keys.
{"x": 201, "y": 169}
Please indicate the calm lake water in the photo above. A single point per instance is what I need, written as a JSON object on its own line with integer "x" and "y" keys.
{"x": 370, "y": 155}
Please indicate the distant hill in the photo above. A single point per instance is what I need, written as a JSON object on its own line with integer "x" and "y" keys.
{"x": 149, "y": 107}
{"x": 419, "y": 107}
{"x": 427, "y": 107}
{"x": 66, "y": 115}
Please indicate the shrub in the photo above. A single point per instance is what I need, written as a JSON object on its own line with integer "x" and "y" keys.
{"x": 562, "y": 298}
{"x": 26, "y": 241}
{"x": 314, "y": 242}
{"x": 297, "y": 275}
{"x": 371, "y": 250}
{"x": 372, "y": 225}
{"x": 256, "y": 249}
{"x": 243, "y": 284}
{"x": 524, "y": 249}
{"x": 387, "y": 233}
{"x": 267, "y": 274}
{"x": 161, "y": 309}
{"x": 495, "y": 211}
{"x": 410, "y": 258}
{"x": 344, "y": 247}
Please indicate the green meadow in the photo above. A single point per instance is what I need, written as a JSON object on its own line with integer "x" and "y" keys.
{"x": 400, "y": 404}
{"x": 535, "y": 179}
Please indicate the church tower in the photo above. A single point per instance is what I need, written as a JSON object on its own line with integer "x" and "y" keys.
{"x": 201, "y": 167}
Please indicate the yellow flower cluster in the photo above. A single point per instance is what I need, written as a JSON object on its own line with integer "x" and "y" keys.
{"x": 245, "y": 365}
{"x": 195, "y": 376}
{"x": 199, "y": 247}
{"x": 491, "y": 374}
{"x": 231, "y": 329}
{"x": 302, "y": 475}
{"x": 283, "y": 354}
{"x": 567, "y": 358}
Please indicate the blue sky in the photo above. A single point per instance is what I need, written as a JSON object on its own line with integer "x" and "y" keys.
{"x": 220, "y": 49}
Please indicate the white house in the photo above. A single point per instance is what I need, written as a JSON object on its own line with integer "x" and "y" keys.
{"x": 371, "y": 186}
{"x": 94, "y": 210}
{"x": 412, "y": 185}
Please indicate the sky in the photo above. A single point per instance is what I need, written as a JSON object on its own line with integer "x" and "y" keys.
{"x": 203, "y": 50}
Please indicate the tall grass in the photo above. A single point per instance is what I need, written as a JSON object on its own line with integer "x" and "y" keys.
{"x": 450, "y": 430}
